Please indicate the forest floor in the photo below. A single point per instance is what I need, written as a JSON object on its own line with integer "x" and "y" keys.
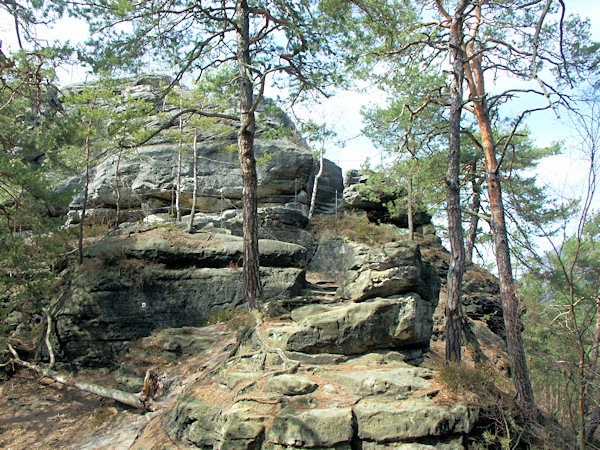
{"x": 43, "y": 414}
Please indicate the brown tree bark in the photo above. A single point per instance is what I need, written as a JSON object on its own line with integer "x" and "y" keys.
{"x": 510, "y": 305}
{"x": 252, "y": 287}
{"x": 455, "y": 230}
{"x": 118, "y": 188}
{"x": 410, "y": 212}
{"x": 86, "y": 192}
{"x": 474, "y": 221}
{"x": 592, "y": 419}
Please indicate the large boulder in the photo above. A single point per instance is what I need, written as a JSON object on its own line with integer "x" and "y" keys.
{"x": 321, "y": 428}
{"x": 400, "y": 382}
{"x": 391, "y": 269}
{"x": 364, "y": 271}
{"x": 104, "y": 308}
{"x": 147, "y": 176}
{"x": 354, "y": 328}
{"x": 391, "y": 421}
{"x": 199, "y": 250}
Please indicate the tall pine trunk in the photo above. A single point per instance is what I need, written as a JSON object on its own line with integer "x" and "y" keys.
{"x": 510, "y": 304}
{"x": 85, "y": 200}
{"x": 252, "y": 288}
{"x": 455, "y": 230}
{"x": 592, "y": 412}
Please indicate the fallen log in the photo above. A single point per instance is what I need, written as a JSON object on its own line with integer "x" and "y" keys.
{"x": 141, "y": 400}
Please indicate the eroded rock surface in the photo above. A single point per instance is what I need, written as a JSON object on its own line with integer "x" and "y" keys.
{"x": 353, "y": 328}
{"x": 367, "y": 402}
{"x": 353, "y": 319}
{"x": 131, "y": 285}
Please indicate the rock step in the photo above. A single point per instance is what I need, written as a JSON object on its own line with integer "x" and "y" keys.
{"x": 350, "y": 328}
{"x": 326, "y": 284}
{"x": 318, "y": 281}
{"x": 319, "y": 293}
{"x": 322, "y": 288}
{"x": 359, "y": 406}
{"x": 308, "y": 298}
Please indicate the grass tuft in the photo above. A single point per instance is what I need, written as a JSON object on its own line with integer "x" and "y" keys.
{"x": 356, "y": 228}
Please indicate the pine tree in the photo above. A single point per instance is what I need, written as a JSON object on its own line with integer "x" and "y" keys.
{"x": 263, "y": 39}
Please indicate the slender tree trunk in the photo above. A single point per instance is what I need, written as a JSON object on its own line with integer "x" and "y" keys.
{"x": 139, "y": 400}
{"x": 86, "y": 190}
{"x": 118, "y": 189}
{"x": 178, "y": 177}
{"x": 455, "y": 230}
{"x": 252, "y": 287}
{"x": 411, "y": 212}
{"x": 581, "y": 404}
{"x": 592, "y": 417}
{"x": 313, "y": 198}
{"x": 474, "y": 221}
{"x": 195, "y": 191}
{"x": 510, "y": 304}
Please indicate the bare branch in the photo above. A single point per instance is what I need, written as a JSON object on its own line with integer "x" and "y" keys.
{"x": 173, "y": 119}
{"x": 534, "y": 67}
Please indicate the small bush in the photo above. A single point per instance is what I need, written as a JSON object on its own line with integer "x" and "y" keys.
{"x": 233, "y": 318}
{"x": 112, "y": 255}
{"x": 139, "y": 271}
{"x": 502, "y": 424}
{"x": 479, "y": 380}
{"x": 357, "y": 229}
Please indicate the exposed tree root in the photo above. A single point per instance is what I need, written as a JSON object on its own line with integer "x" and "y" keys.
{"x": 265, "y": 348}
{"x": 273, "y": 373}
{"x": 264, "y": 351}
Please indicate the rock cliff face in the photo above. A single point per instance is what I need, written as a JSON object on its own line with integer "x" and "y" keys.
{"x": 143, "y": 277}
{"x": 353, "y": 336}
{"x": 335, "y": 362}
{"x": 145, "y": 178}
{"x": 353, "y": 319}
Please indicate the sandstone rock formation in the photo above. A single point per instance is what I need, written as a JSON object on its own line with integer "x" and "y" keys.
{"x": 374, "y": 400}
{"x": 354, "y": 340}
{"x": 147, "y": 175}
{"x": 359, "y": 196}
{"x": 346, "y": 323}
